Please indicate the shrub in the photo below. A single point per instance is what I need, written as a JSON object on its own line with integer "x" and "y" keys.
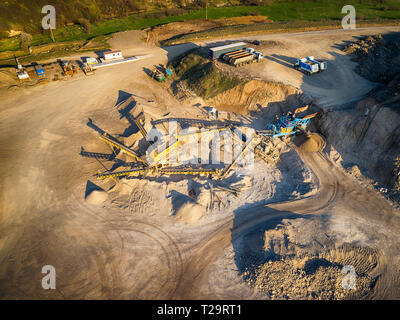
{"x": 26, "y": 39}
{"x": 85, "y": 24}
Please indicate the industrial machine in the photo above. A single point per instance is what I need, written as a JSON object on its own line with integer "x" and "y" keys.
{"x": 87, "y": 69}
{"x": 21, "y": 72}
{"x": 289, "y": 124}
{"x": 68, "y": 68}
{"x": 158, "y": 75}
{"x": 161, "y": 73}
{"x": 162, "y": 156}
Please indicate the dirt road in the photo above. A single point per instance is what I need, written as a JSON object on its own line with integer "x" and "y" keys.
{"x": 108, "y": 251}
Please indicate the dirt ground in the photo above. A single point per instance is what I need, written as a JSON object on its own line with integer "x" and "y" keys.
{"x": 163, "y": 32}
{"x": 137, "y": 239}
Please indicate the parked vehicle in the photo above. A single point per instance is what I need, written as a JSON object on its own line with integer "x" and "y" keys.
{"x": 39, "y": 70}
{"x": 306, "y": 66}
{"x": 218, "y": 52}
{"x": 323, "y": 65}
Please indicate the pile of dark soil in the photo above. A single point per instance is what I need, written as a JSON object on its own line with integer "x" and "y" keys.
{"x": 378, "y": 56}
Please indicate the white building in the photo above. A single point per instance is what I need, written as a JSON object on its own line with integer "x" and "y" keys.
{"x": 110, "y": 55}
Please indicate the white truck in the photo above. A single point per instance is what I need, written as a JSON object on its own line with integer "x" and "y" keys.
{"x": 323, "y": 65}
{"x": 310, "y": 65}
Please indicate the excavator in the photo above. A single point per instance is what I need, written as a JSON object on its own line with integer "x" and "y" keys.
{"x": 161, "y": 75}
{"x": 289, "y": 124}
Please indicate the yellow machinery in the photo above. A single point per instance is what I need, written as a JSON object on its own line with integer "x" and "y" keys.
{"x": 261, "y": 143}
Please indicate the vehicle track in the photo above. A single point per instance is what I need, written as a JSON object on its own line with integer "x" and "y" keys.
{"x": 125, "y": 226}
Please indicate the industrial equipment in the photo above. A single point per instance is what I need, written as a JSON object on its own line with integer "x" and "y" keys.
{"x": 87, "y": 69}
{"x": 21, "y": 73}
{"x": 288, "y": 125}
{"x": 67, "y": 68}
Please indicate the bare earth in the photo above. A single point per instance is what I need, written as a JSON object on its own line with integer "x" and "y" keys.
{"x": 131, "y": 241}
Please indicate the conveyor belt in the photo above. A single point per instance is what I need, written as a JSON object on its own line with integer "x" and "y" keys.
{"x": 97, "y": 155}
{"x": 115, "y": 143}
{"x": 188, "y": 171}
{"x": 121, "y": 173}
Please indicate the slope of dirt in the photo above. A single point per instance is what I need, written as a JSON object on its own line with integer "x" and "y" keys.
{"x": 160, "y": 33}
{"x": 367, "y": 133}
{"x": 252, "y": 96}
{"x": 378, "y": 56}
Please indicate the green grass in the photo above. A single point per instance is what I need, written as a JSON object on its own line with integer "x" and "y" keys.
{"x": 278, "y": 11}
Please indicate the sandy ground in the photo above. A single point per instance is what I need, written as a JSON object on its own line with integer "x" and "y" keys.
{"x": 130, "y": 241}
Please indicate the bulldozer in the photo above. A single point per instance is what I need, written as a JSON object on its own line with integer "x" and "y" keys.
{"x": 87, "y": 69}
{"x": 68, "y": 69}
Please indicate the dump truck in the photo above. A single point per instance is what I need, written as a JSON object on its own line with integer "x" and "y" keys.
{"x": 39, "y": 70}
{"x": 218, "y": 52}
{"x": 323, "y": 65}
{"x": 306, "y": 66}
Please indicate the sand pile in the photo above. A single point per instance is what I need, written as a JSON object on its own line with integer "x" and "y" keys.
{"x": 96, "y": 197}
{"x": 313, "y": 143}
{"x": 250, "y": 95}
{"x": 191, "y": 213}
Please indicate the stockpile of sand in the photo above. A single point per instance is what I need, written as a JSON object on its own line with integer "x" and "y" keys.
{"x": 191, "y": 213}
{"x": 250, "y": 95}
{"x": 313, "y": 143}
{"x": 96, "y": 197}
